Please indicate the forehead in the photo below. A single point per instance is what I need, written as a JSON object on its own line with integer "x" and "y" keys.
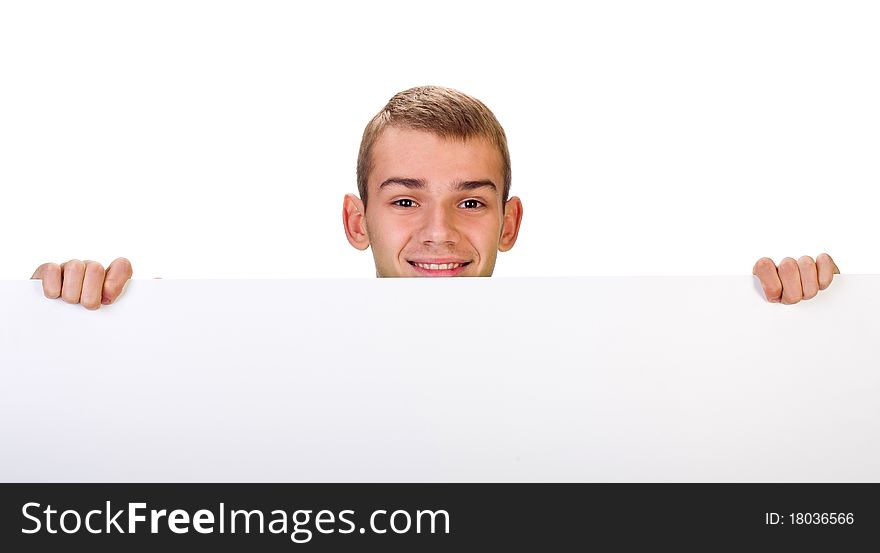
{"x": 409, "y": 153}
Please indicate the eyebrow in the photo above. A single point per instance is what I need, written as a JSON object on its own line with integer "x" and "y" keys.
{"x": 409, "y": 183}
{"x": 475, "y": 184}
{"x": 418, "y": 184}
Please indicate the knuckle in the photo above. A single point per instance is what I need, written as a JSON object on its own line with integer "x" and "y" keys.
{"x": 94, "y": 266}
{"x": 125, "y": 264}
{"x": 764, "y": 263}
{"x": 789, "y": 267}
{"x": 805, "y": 259}
{"x": 74, "y": 265}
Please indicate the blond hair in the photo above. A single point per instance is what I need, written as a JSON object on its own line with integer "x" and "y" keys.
{"x": 442, "y": 111}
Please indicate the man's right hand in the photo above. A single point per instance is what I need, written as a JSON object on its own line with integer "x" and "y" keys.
{"x": 84, "y": 282}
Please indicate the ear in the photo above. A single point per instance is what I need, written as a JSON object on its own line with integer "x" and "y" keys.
{"x": 355, "y": 222}
{"x": 513, "y": 212}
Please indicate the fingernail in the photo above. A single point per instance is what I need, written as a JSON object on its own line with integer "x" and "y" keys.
{"x": 774, "y": 301}
{"x": 105, "y": 301}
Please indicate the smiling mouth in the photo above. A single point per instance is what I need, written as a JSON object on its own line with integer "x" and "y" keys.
{"x": 439, "y": 269}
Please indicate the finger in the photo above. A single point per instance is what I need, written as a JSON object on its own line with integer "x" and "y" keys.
{"x": 790, "y": 276}
{"x": 50, "y": 274}
{"x": 809, "y": 277}
{"x": 827, "y": 269}
{"x": 765, "y": 270}
{"x": 118, "y": 273}
{"x": 72, "y": 273}
{"x": 93, "y": 283}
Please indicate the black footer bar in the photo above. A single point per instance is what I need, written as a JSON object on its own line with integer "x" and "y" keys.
{"x": 436, "y": 517}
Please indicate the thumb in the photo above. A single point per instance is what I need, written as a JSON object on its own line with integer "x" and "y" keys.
{"x": 38, "y": 274}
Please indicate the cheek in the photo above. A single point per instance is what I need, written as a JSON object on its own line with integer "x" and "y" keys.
{"x": 483, "y": 235}
{"x": 389, "y": 236}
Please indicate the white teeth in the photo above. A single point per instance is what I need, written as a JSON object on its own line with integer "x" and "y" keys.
{"x": 438, "y": 266}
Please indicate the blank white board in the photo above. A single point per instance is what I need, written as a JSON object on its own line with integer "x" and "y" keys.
{"x": 608, "y": 379}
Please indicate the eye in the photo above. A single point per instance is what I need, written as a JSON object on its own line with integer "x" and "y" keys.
{"x": 471, "y": 204}
{"x": 404, "y": 202}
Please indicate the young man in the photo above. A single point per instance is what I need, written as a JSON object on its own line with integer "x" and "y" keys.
{"x": 434, "y": 181}
{"x": 433, "y": 178}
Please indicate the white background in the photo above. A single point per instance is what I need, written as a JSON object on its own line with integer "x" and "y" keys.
{"x": 217, "y": 139}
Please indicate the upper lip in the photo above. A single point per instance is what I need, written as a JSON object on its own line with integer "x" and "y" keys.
{"x": 438, "y": 261}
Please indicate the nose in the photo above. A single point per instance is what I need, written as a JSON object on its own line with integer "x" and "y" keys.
{"x": 439, "y": 227}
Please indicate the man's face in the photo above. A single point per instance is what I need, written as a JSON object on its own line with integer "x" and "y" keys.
{"x": 434, "y": 206}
